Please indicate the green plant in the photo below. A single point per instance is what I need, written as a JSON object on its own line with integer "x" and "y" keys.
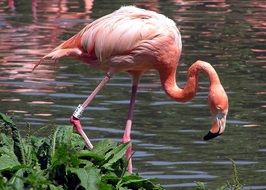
{"x": 61, "y": 162}
{"x": 235, "y": 184}
{"x": 232, "y": 184}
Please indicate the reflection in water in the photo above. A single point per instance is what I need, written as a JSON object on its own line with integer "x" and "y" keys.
{"x": 228, "y": 34}
{"x": 23, "y": 43}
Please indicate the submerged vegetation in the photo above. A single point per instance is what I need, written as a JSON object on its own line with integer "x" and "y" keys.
{"x": 61, "y": 162}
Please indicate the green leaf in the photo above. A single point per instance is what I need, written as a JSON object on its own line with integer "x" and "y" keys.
{"x": 62, "y": 135}
{"x": 53, "y": 187}
{"x": 129, "y": 179}
{"x": 235, "y": 182}
{"x": 88, "y": 154}
{"x": 86, "y": 164}
{"x": 8, "y": 162}
{"x": 98, "y": 153}
{"x": 89, "y": 179}
{"x": 4, "y": 185}
{"x": 18, "y": 145}
{"x": 41, "y": 148}
{"x": 65, "y": 156}
{"x": 110, "y": 178}
{"x": 115, "y": 154}
{"x": 17, "y": 180}
{"x": 104, "y": 186}
{"x": 77, "y": 141}
{"x": 133, "y": 181}
{"x": 6, "y": 119}
{"x": 29, "y": 154}
{"x": 122, "y": 188}
{"x": 102, "y": 147}
{"x": 6, "y": 141}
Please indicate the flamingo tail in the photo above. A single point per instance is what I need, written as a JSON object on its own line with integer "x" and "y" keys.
{"x": 71, "y": 47}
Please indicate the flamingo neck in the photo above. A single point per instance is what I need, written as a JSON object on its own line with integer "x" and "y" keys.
{"x": 168, "y": 79}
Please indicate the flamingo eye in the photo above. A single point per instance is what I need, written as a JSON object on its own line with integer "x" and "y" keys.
{"x": 219, "y": 108}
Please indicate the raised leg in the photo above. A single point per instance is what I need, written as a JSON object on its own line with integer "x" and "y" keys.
{"x": 126, "y": 136}
{"x": 74, "y": 119}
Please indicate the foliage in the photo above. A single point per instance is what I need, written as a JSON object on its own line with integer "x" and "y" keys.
{"x": 61, "y": 162}
{"x": 233, "y": 184}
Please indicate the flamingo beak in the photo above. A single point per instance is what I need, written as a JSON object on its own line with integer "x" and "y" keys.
{"x": 218, "y": 126}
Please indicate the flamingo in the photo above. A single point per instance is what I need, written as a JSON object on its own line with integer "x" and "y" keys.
{"x": 135, "y": 40}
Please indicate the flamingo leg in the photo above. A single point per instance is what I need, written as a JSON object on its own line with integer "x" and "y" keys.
{"x": 127, "y": 137}
{"x": 75, "y": 118}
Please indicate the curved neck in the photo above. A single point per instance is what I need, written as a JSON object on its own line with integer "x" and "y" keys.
{"x": 168, "y": 79}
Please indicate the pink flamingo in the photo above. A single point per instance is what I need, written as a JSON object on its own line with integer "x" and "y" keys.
{"x": 135, "y": 40}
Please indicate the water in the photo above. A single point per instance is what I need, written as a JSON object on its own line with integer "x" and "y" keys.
{"x": 167, "y": 135}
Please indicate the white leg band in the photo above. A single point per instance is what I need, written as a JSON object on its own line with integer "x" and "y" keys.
{"x": 78, "y": 112}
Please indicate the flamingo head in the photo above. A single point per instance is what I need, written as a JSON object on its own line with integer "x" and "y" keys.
{"x": 218, "y": 103}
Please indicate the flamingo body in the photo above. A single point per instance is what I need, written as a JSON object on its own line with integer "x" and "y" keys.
{"x": 129, "y": 39}
{"x": 135, "y": 40}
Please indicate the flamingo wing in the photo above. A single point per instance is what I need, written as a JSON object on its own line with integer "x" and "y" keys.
{"x": 125, "y": 30}
{"x": 118, "y": 37}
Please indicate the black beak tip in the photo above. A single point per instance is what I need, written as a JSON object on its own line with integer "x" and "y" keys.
{"x": 211, "y": 135}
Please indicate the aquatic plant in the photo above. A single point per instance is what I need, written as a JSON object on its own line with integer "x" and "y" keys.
{"x": 232, "y": 184}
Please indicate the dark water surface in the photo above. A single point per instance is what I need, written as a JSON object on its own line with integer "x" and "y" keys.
{"x": 231, "y": 35}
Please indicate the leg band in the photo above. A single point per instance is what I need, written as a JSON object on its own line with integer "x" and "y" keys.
{"x": 78, "y": 112}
